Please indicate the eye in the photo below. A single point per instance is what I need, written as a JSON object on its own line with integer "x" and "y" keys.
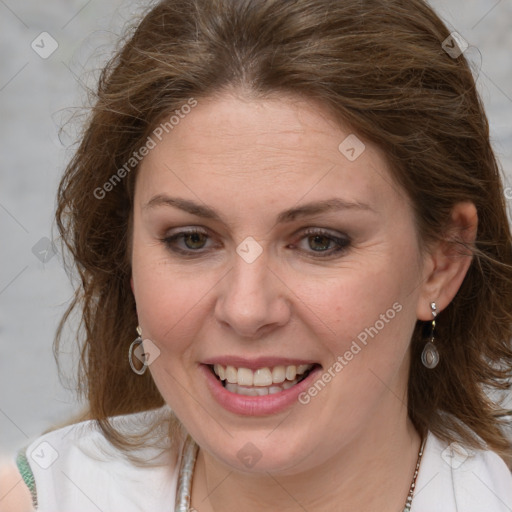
{"x": 324, "y": 243}
{"x": 193, "y": 239}
{"x": 320, "y": 242}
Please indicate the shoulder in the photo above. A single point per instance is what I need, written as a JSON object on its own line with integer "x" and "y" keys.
{"x": 14, "y": 496}
{"x": 76, "y": 468}
{"x": 453, "y": 477}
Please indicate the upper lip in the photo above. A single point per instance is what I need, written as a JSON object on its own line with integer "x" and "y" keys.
{"x": 254, "y": 364}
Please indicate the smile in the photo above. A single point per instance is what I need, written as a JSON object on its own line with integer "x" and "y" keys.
{"x": 261, "y": 381}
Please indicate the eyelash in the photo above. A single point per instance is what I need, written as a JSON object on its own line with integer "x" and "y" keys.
{"x": 342, "y": 243}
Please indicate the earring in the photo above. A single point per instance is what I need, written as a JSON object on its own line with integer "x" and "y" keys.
{"x": 135, "y": 345}
{"x": 430, "y": 354}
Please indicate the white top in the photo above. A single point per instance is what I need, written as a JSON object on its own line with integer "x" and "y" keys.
{"x": 76, "y": 469}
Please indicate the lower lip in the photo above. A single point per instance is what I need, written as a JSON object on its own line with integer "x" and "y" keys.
{"x": 256, "y": 405}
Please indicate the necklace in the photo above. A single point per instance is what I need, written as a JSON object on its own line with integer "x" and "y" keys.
{"x": 188, "y": 460}
{"x": 408, "y": 501}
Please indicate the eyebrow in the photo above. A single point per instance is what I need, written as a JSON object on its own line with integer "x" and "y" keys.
{"x": 308, "y": 209}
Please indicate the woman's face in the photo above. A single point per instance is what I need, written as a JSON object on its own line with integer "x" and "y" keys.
{"x": 303, "y": 257}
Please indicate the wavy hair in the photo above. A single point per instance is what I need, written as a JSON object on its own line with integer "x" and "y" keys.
{"x": 380, "y": 68}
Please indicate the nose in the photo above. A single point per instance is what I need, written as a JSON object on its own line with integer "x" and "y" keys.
{"x": 253, "y": 300}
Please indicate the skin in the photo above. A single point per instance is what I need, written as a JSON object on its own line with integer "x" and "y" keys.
{"x": 14, "y": 494}
{"x": 352, "y": 447}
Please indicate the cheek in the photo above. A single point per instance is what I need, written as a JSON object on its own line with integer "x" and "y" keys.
{"x": 172, "y": 302}
{"x": 165, "y": 306}
{"x": 371, "y": 304}
{"x": 353, "y": 299}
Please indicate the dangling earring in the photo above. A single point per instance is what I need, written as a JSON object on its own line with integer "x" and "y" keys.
{"x": 430, "y": 354}
{"x": 136, "y": 343}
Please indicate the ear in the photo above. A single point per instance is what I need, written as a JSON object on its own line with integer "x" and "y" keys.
{"x": 447, "y": 262}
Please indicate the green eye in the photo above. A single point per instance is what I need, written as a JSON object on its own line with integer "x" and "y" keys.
{"x": 195, "y": 240}
{"x": 324, "y": 243}
{"x": 319, "y": 242}
{"x": 187, "y": 242}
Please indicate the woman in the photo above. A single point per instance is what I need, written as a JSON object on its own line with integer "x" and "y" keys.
{"x": 295, "y": 210}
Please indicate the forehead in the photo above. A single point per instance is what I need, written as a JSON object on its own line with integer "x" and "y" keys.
{"x": 279, "y": 149}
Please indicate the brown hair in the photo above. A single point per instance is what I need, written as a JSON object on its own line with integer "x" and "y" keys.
{"x": 380, "y": 67}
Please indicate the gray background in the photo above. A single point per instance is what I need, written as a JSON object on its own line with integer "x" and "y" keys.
{"x": 37, "y": 96}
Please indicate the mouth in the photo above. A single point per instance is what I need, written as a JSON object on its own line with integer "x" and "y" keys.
{"x": 261, "y": 381}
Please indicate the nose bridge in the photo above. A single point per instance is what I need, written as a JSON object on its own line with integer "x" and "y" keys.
{"x": 249, "y": 281}
{"x": 252, "y": 297}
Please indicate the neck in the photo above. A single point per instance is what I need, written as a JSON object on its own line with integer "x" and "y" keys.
{"x": 373, "y": 472}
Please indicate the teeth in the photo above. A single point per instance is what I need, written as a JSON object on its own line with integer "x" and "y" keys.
{"x": 231, "y": 374}
{"x": 245, "y": 377}
{"x": 252, "y": 391}
{"x": 278, "y": 374}
{"x": 262, "y": 377}
{"x": 220, "y": 371}
{"x": 291, "y": 371}
{"x": 259, "y": 391}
